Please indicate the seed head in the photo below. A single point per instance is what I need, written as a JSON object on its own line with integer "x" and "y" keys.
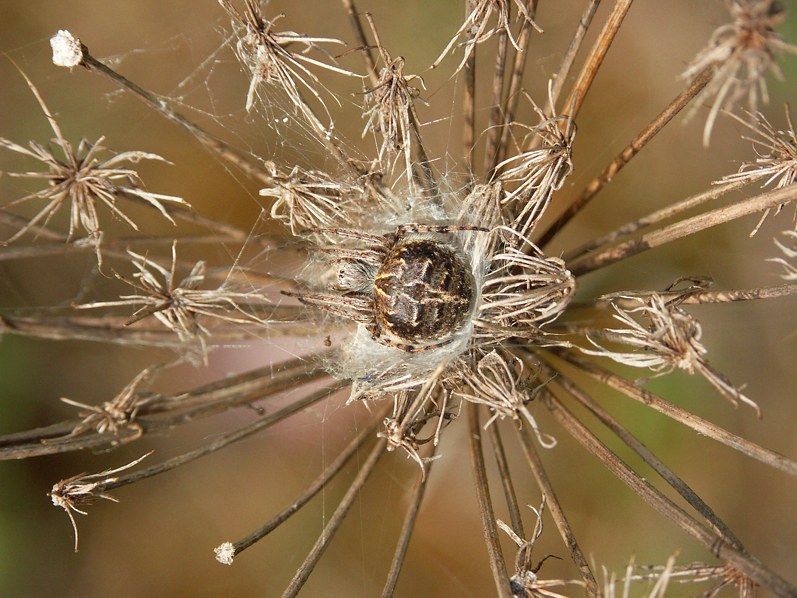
{"x": 740, "y": 54}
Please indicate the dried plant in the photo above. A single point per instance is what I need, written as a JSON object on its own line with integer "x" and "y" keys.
{"x": 740, "y": 54}
{"x": 85, "y": 180}
{"x": 421, "y": 292}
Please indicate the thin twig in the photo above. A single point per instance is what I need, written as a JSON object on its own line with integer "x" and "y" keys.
{"x": 557, "y": 512}
{"x": 625, "y": 156}
{"x": 698, "y": 424}
{"x": 306, "y": 568}
{"x": 497, "y": 564}
{"x": 689, "y": 226}
{"x": 408, "y": 525}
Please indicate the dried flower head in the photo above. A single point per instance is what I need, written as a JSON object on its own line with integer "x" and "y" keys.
{"x": 740, "y": 54}
{"x": 425, "y": 305}
{"x": 307, "y": 199}
{"x": 179, "y": 304}
{"x": 85, "y": 179}
{"x": 391, "y": 108}
{"x": 664, "y": 338}
{"x": 477, "y": 29}
{"x": 538, "y": 169}
{"x": 265, "y": 54}
{"x": 116, "y": 417}
{"x": 525, "y": 583}
{"x": 84, "y": 489}
{"x": 776, "y": 158}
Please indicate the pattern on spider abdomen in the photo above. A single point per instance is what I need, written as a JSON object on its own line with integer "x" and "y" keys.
{"x": 422, "y": 292}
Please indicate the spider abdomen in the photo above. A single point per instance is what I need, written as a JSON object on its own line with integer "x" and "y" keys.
{"x": 422, "y": 292}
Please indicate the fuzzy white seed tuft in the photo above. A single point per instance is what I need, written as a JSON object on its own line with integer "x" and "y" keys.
{"x": 225, "y": 553}
{"x": 67, "y": 49}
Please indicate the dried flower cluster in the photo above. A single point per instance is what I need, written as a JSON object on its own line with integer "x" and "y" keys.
{"x": 420, "y": 288}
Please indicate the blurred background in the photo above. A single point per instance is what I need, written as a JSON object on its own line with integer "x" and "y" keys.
{"x": 158, "y": 539}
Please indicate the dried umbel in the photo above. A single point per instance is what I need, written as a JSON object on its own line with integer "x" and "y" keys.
{"x": 426, "y": 299}
{"x": 663, "y": 337}
{"x": 776, "y": 158}
{"x": 87, "y": 177}
{"x": 740, "y": 54}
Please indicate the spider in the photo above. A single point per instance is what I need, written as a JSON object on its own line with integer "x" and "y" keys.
{"x": 408, "y": 291}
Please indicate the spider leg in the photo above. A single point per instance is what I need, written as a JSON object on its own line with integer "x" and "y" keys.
{"x": 354, "y": 308}
{"x": 408, "y": 347}
{"x": 370, "y": 256}
{"x": 352, "y": 234}
{"x": 403, "y": 229}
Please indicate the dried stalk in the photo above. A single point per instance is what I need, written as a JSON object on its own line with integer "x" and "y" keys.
{"x": 234, "y": 156}
{"x": 625, "y": 156}
{"x": 506, "y": 480}
{"x": 314, "y": 488}
{"x": 558, "y": 514}
{"x": 665, "y": 213}
{"x": 776, "y": 292}
{"x": 469, "y": 105}
{"x": 408, "y": 525}
{"x": 496, "y": 557}
{"x": 590, "y": 69}
{"x": 689, "y": 226}
{"x": 220, "y": 442}
{"x": 647, "y": 456}
{"x": 742, "y": 561}
{"x": 493, "y": 131}
{"x": 165, "y": 412}
{"x": 698, "y": 424}
{"x": 332, "y": 526}
{"x": 570, "y": 56}
{"x": 515, "y": 85}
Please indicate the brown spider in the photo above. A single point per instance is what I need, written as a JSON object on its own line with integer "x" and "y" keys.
{"x": 408, "y": 292}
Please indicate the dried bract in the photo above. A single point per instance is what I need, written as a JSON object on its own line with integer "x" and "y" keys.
{"x": 476, "y": 27}
{"x": 179, "y": 304}
{"x": 776, "y": 158}
{"x": 82, "y": 489}
{"x": 664, "y": 338}
{"x": 84, "y": 178}
{"x": 740, "y": 54}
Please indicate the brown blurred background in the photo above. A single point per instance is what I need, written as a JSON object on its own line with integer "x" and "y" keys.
{"x": 158, "y": 539}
